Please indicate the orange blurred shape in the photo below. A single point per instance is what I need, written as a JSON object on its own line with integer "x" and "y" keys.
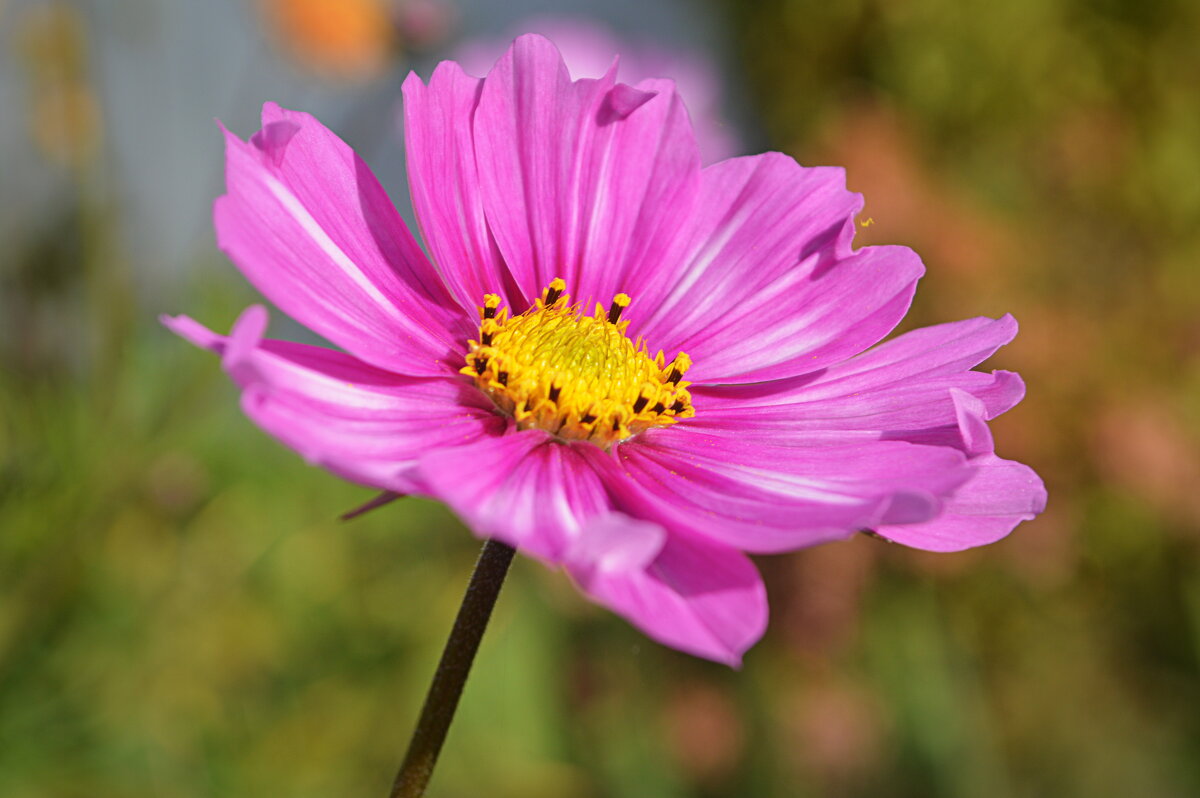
{"x": 347, "y": 39}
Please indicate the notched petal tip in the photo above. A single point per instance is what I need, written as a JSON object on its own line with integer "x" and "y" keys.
{"x": 621, "y": 101}
{"x": 971, "y": 416}
{"x": 244, "y": 338}
{"x": 272, "y": 140}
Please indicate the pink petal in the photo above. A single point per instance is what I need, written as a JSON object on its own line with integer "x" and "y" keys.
{"x": 311, "y": 228}
{"x": 916, "y": 357}
{"x": 1001, "y": 495}
{"x": 613, "y": 543}
{"x": 901, "y": 390}
{"x": 970, "y": 416}
{"x": 763, "y": 498}
{"x": 366, "y": 425}
{"x": 767, "y": 285}
{"x": 696, "y": 596}
{"x": 588, "y": 181}
{"x": 444, "y": 181}
{"x": 936, "y": 351}
{"x": 901, "y": 411}
{"x": 545, "y": 498}
{"x": 523, "y": 488}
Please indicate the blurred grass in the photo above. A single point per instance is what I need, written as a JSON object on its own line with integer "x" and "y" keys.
{"x": 182, "y": 615}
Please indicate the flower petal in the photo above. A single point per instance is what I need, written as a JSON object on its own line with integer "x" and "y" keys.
{"x": 364, "y": 424}
{"x": 523, "y": 488}
{"x": 444, "y": 181}
{"x": 1001, "y": 495}
{"x": 764, "y": 498}
{"x": 312, "y": 229}
{"x": 697, "y": 596}
{"x": 587, "y": 180}
{"x": 768, "y": 285}
{"x": 901, "y": 390}
{"x": 923, "y": 412}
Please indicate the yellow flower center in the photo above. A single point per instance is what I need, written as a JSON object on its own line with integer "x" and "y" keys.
{"x": 577, "y": 377}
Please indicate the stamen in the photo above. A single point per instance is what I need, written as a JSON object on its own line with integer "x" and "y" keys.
{"x": 680, "y": 365}
{"x": 619, "y": 303}
{"x": 490, "y": 303}
{"x": 553, "y": 291}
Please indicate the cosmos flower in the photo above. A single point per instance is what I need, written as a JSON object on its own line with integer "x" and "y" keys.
{"x": 616, "y": 361}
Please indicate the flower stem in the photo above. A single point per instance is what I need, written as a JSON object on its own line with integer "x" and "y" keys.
{"x": 451, "y": 675}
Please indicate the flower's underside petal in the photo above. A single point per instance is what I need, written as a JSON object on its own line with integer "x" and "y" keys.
{"x": 443, "y": 178}
{"x": 523, "y": 488}
{"x": 309, "y": 225}
{"x": 589, "y": 181}
{"x": 1001, "y": 495}
{"x": 768, "y": 286}
{"x": 366, "y": 425}
{"x": 696, "y": 595}
{"x": 766, "y": 498}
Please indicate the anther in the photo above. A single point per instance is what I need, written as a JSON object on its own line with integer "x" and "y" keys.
{"x": 619, "y": 303}
{"x": 502, "y": 378}
{"x": 485, "y": 338}
{"x": 641, "y": 403}
{"x": 677, "y": 405}
{"x": 554, "y": 291}
{"x": 616, "y": 424}
{"x": 490, "y": 303}
{"x": 587, "y": 418}
{"x": 678, "y": 366}
{"x": 480, "y": 365}
{"x": 555, "y": 390}
{"x": 658, "y": 408}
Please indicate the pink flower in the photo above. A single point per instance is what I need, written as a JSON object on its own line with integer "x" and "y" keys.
{"x": 470, "y": 377}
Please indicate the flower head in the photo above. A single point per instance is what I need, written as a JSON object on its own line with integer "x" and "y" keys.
{"x": 610, "y": 358}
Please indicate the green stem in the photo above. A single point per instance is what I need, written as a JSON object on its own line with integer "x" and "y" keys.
{"x": 451, "y": 675}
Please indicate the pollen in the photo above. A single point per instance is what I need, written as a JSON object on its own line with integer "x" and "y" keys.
{"x": 578, "y": 377}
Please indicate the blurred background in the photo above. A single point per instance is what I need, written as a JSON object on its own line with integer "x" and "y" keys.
{"x": 182, "y": 615}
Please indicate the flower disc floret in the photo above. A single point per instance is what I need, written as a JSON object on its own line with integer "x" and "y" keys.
{"x": 578, "y": 377}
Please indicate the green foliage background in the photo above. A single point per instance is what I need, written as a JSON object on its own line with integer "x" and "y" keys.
{"x": 182, "y": 615}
